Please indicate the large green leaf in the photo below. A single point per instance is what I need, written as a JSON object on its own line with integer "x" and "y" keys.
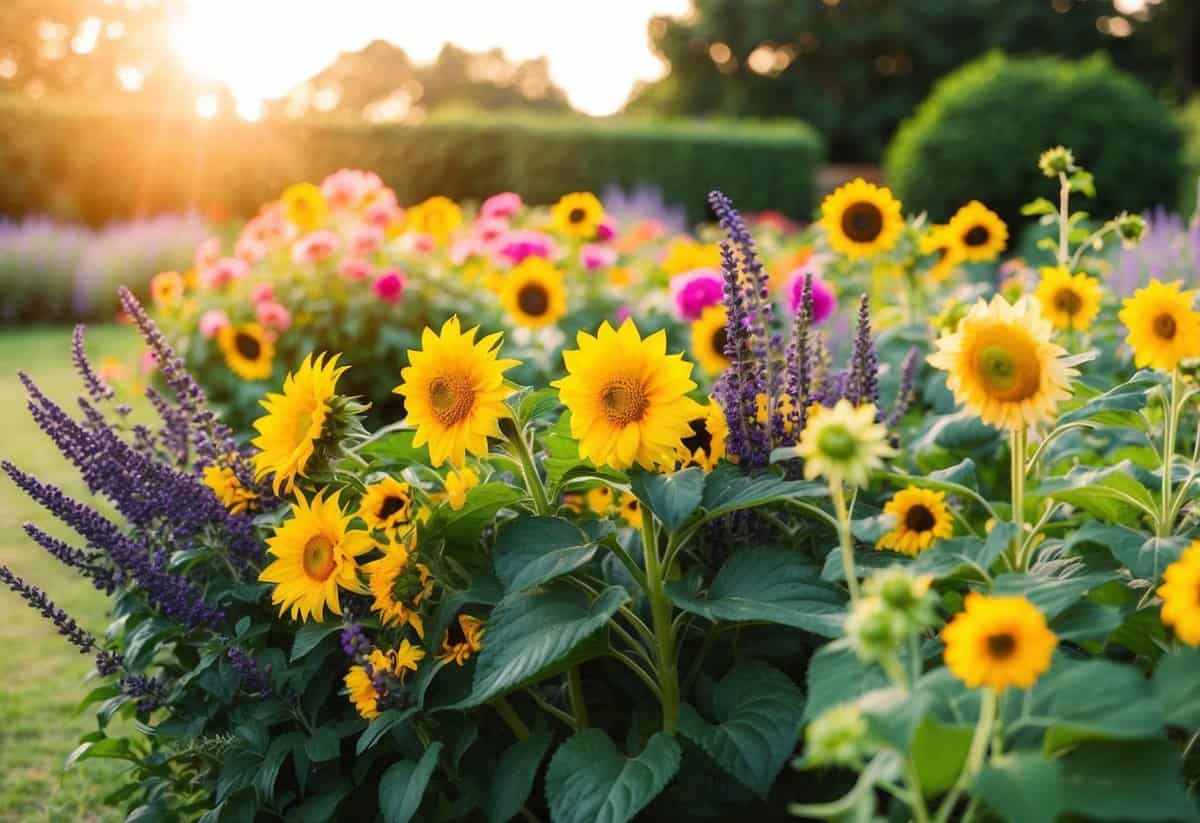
{"x": 672, "y": 497}
{"x": 1119, "y": 541}
{"x": 772, "y": 584}
{"x": 727, "y": 490}
{"x": 484, "y": 590}
{"x": 482, "y": 503}
{"x": 396, "y": 449}
{"x": 1111, "y": 493}
{"x": 1051, "y": 594}
{"x": 1151, "y": 558}
{"x": 960, "y": 554}
{"x": 1114, "y": 406}
{"x": 836, "y": 676}
{"x": 531, "y": 630}
{"x": 530, "y": 551}
{"x": 403, "y": 785}
{"x": 1176, "y": 686}
{"x": 1022, "y": 788}
{"x": 590, "y": 781}
{"x": 513, "y": 777}
{"x": 758, "y": 714}
{"x": 1133, "y": 780}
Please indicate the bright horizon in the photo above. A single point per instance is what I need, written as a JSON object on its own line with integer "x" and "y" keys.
{"x": 261, "y": 49}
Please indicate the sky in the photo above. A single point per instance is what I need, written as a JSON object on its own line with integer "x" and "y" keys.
{"x": 263, "y": 48}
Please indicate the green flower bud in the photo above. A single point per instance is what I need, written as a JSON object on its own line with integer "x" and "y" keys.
{"x": 1056, "y": 161}
{"x": 1130, "y": 227}
{"x": 839, "y": 737}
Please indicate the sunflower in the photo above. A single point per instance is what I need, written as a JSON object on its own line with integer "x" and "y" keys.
{"x": 166, "y": 288}
{"x": 454, "y": 392}
{"x": 1180, "y": 592}
{"x": 229, "y": 489}
{"x": 458, "y": 483}
{"x": 627, "y": 397}
{"x": 438, "y": 217}
{"x": 305, "y": 207}
{"x": 578, "y": 214}
{"x": 600, "y": 500}
{"x": 315, "y": 553}
{"x": 534, "y": 294}
{"x": 921, "y": 517}
{"x": 705, "y": 446}
{"x": 998, "y": 642}
{"x": 1069, "y": 301}
{"x": 386, "y": 505}
{"x": 399, "y": 585}
{"x": 939, "y": 244}
{"x": 249, "y": 352}
{"x": 1002, "y": 364}
{"x": 978, "y": 231}
{"x": 1163, "y": 327}
{"x": 843, "y": 444}
{"x": 462, "y": 639}
{"x": 295, "y": 421}
{"x": 709, "y": 334}
{"x": 861, "y": 219}
{"x": 685, "y": 254}
{"x": 631, "y": 510}
{"x": 361, "y": 683}
{"x": 784, "y": 406}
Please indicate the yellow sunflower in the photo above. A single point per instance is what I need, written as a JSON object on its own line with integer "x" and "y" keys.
{"x": 843, "y": 444}
{"x": 631, "y": 510}
{"x": 921, "y": 517}
{"x": 705, "y": 446}
{"x": 708, "y": 339}
{"x": 998, "y": 642}
{"x": 600, "y": 500}
{"x": 1002, "y": 364}
{"x": 628, "y": 397}
{"x": 454, "y": 392}
{"x": 315, "y": 553}
{"x": 229, "y": 489}
{"x": 399, "y": 585}
{"x": 534, "y": 294}
{"x": 578, "y": 214}
{"x": 249, "y": 352}
{"x": 386, "y": 505}
{"x": 685, "y": 254}
{"x": 295, "y": 421}
{"x": 574, "y": 502}
{"x": 1069, "y": 301}
{"x": 438, "y": 217}
{"x": 979, "y": 232}
{"x": 166, "y": 288}
{"x": 939, "y": 244}
{"x": 861, "y": 219}
{"x": 783, "y": 410}
{"x": 462, "y": 639}
{"x": 458, "y": 483}
{"x": 361, "y": 685}
{"x": 1180, "y": 592}
{"x": 1164, "y": 329}
{"x": 304, "y": 206}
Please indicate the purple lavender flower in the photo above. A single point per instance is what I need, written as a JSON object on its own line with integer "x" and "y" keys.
{"x": 37, "y": 599}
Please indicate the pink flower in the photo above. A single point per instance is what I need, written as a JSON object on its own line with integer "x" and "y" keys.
{"x": 522, "y": 244}
{"x": 249, "y": 250}
{"x": 503, "y": 205}
{"x": 607, "y": 229}
{"x": 273, "y": 315}
{"x": 223, "y": 272}
{"x": 491, "y": 233}
{"x": 348, "y": 187}
{"x": 824, "y": 300}
{"x": 355, "y": 268}
{"x": 262, "y": 292}
{"x": 208, "y": 251}
{"x": 149, "y": 362}
{"x": 212, "y": 321}
{"x": 315, "y": 247}
{"x": 422, "y": 243}
{"x": 622, "y": 314}
{"x": 383, "y": 210}
{"x": 365, "y": 241}
{"x": 595, "y": 256}
{"x": 695, "y": 291}
{"x": 389, "y": 286}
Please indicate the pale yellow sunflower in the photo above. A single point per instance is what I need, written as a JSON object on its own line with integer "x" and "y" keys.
{"x": 844, "y": 444}
{"x": 295, "y": 421}
{"x": 304, "y": 206}
{"x": 861, "y": 219}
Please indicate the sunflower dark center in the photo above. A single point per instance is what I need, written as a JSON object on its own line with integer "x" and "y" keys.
{"x": 719, "y": 339}
{"x": 533, "y": 299}
{"x": 919, "y": 519}
{"x": 318, "y": 557}
{"x": 247, "y": 345}
{"x": 455, "y": 635}
{"x": 862, "y": 222}
{"x": 1068, "y": 301}
{"x": 1001, "y": 645}
{"x": 576, "y": 215}
{"x": 624, "y": 401}
{"x": 1165, "y": 327}
{"x": 632, "y": 505}
{"x": 977, "y": 236}
{"x": 452, "y": 398}
{"x": 700, "y": 438}
{"x": 391, "y": 505}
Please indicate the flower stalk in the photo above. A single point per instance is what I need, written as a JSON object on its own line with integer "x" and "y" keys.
{"x": 1016, "y": 445}
{"x": 1170, "y": 431}
{"x": 845, "y": 538}
{"x": 664, "y": 630}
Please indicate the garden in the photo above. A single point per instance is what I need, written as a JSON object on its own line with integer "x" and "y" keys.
{"x": 525, "y": 467}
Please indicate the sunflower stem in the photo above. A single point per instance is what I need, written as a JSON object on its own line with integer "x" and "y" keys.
{"x": 509, "y": 715}
{"x": 1170, "y": 425}
{"x": 664, "y": 630}
{"x": 519, "y": 448}
{"x": 578, "y": 706}
{"x": 1064, "y": 219}
{"x": 845, "y": 538}
{"x": 1016, "y": 447}
{"x": 988, "y": 703}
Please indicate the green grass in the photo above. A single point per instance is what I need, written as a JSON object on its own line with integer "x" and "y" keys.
{"x": 41, "y": 676}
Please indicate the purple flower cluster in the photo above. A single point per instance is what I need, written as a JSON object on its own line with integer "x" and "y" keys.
{"x": 254, "y": 679}
{"x": 1169, "y": 250}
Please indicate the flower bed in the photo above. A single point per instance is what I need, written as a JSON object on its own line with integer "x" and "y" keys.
{"x": 615, "y": 588}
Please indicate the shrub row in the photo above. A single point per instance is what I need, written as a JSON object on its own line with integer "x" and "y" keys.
{"x": 96, "y": 165}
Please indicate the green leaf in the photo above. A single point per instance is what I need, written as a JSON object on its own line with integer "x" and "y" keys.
{"x": 836, "y": 676}
{"x": 1111, "y": 493}
{"x": 323, "y": 745}
{"x": 512, "y": 779}
{"x": 1037, "y": 207}
{"x": 1175, "y": 687}
{"x": 1052, "y": 595}
{"x": 771, "y": 584}
{"x": 1114, "y": 406}
{"x": 958, "y": 554}
{"x": 537, "y": 403}
{"x": 1086, "y": 621}
{"x": 1152, "y": 557}
{"x": 531, "y": 630}
{"x": 1119, "y": 541}
{"x": 403, "y": 785}
{"x": 727, "y": 490}
{"x": 1022, "y": 788}
{"x": 273, "y": 761}
{"x": 758, "y": 714}
{"x": 1133, "y": 780}
{"x": 311, "y": 634}
{"x": 465, "y": 525}
{"x": 590, "y": 781}
{"x": 397, "y": 449}
{"x": 672, "y": 497}
{"x": 530, "y": 551}
{"x": 110, "y": 747}
{"x": 380, "y": 726}
{"x": 939, "y": 751}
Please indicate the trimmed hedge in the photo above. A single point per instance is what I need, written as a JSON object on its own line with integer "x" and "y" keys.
{"x": 96, "y": 165}
{"x": 979, "y": 132}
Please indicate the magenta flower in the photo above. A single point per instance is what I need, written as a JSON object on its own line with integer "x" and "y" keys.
{"x": 503, "y": 205}
{"x": 212, "y": 321}
{"x": 824, "y": 299}
{"x": 389, "y": 286}
{"x": 607, "y": 229}
{"x": 522, "y": 244}
{"x": 594, "y": 256}
{"x": 273, "y": 315}
{"x": 695, "y": 291}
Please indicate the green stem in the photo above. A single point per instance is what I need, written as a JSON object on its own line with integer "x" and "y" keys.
{"x": 664, "y": 631}
{"x": 1016, "y": 446}
{"x": 1170, "y": 424}
{"x": 916, "y": 799}
{"x": 989, "y": 700}
{"x": 1064, "y": 219}
{"x": 509, "y": 715}
{"x": 578, "y": 706}
{"x": 845, "y": 538}
{"x": 533, "y": 481}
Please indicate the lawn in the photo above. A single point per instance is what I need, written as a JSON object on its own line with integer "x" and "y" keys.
{"x": 42, "y": 676}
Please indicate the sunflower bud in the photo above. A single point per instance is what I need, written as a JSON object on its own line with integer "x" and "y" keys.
{"x": 906, "y": 596}
{"x": 1131, "y": 228}
{"x": 839, "y": 737}
{"x": 1056, "y": 161}
{"x": 875, "y": 630}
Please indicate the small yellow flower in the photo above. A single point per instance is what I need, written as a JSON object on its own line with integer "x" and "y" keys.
{"x": 705, "y": 446}
{"x": 249, "y": 351}
{"x": 462, "y": 639}
{"x": 304, "y": 206}
{"x": 229, "y": 489}
{"x": 861, "y": 219}
{"x": 843, "y": 444}
{"x": 386, "y": 504}
{"x": 458, "y": 483}
{"x": 1180, "y": 592}
{"x": 1069, "y": 301}
{"x": 685, "y": 254}
{"x": 979, "y": 232}
{"x": 600, "y": 500}
{"x": 166, "y": 288}
{"x": 573, "y": 502}
{"x": 631, "y": 510}
{"x": 921, "y": 517}
{"x": 534, "y": 294}
{"x": 438, "y": 217}
{"x": 1164, "y": 329}
{"x": 709, "y": 334}
{"x": 578, "y": 214}
{"x": 399, "y": 585}
{"x": 998, "y": 642}
{"x": 395, "y": 663}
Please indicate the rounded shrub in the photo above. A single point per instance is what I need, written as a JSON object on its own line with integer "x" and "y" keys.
{"x": 975, "y": 135}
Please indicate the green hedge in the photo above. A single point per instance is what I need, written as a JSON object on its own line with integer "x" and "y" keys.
{"x": 980, "y": 131}
{"x": 96, "y": 165}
